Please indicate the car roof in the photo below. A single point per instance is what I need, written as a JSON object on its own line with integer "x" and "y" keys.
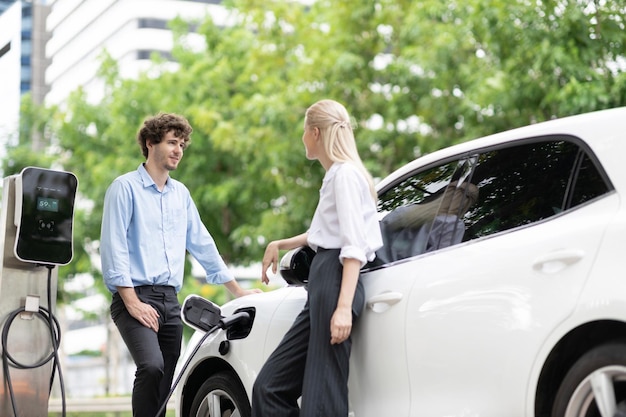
{"x": 600, "y": 130}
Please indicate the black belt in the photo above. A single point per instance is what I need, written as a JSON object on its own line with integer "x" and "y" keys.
{"x": 163, "y": 289}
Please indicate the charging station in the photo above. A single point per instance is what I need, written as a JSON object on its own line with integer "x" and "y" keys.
{"x": 35, "y": 237}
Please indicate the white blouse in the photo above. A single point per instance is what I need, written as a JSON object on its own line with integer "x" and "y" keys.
{"x": 345, "y": 217}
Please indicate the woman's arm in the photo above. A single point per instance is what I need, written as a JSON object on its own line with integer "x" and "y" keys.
{"x": 270, "y": 258}
{"x": 341, "y": 321}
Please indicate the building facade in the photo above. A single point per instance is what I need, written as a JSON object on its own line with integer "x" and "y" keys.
{"x": 50, "y": 48}
{"x": 10, "y": 47}
{"x": 22, "y": 60}
{"x": 128, "y": 30}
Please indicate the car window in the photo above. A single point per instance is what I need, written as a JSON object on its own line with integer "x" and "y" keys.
{"x": 485, "y": 193}
{"x": 422, "y": 213}
{"x": 530, "y": 182}
{"x": 588, "y": 181}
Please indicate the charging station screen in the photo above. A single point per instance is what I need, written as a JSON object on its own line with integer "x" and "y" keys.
{"x": 47, "y": 204}
{"x": 44, "y": 229}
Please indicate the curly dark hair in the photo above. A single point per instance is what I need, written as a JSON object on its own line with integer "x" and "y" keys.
{"x": 156, "y": 127}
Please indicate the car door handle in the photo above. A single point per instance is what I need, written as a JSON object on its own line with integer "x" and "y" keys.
{"x": 383, "y": 301}
{"x": 558, "y": 260}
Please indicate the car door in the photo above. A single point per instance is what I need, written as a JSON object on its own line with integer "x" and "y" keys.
{"x": 379, "y": 376}
{"x": 379, "y": 379}
{"x": 453, "y": 331}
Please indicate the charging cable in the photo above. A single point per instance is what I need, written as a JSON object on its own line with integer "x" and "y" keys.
{"x": 9, "y": 361}
{"x": 224, "y": 323}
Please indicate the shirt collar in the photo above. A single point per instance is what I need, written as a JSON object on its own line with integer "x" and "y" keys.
{"x": 331, "y": 171}
{"x": 147, "y": 180}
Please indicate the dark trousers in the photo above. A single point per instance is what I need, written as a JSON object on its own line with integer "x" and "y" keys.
{"x": 305, "y": 363}
{"x": 155, "y": 354}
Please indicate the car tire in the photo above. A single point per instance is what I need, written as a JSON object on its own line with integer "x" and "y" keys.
{"x": 221, "y": 395}
{"x": 597, "y": 380}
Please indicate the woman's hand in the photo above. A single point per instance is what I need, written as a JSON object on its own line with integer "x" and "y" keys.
{"x": 340, "y": 325}
{"x": 341, "y": 321}
{"x": 270, "y": 259}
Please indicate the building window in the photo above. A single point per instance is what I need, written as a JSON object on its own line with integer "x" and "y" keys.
{"x": 27, "y": 10}
{"x": 26, "y": 73}
{"x": 27, "y": 47}
{"x": 147, "y": 54}
{"x": 160, "y": 24}
{"x": 153, "y": 23}
{"x": 208, "y": 1}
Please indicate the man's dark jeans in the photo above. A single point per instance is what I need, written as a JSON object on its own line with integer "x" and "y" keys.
{"x": 155, "y": 354}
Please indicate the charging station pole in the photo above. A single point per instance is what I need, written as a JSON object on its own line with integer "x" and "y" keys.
{"x": 26, "y": 289}
{"x": 29, "y": 338}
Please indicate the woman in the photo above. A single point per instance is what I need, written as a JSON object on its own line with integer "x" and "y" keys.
{"x": 312, "y": 360}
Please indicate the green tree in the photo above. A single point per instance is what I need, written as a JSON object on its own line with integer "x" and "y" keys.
{"x": 416, "y": 76}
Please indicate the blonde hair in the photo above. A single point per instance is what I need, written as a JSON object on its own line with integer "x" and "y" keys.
{"x": 333, "y": 121}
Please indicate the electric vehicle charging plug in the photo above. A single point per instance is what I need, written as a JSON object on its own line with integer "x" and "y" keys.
{"x": 242, "y": 317}
{"x": 224, "y": 323}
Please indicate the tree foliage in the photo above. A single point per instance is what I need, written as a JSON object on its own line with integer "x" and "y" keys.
{"x": 416, "y": 76}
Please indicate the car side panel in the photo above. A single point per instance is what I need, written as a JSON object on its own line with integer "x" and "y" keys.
{"x": 272, "y": 321}
{"x": 379, "y": 379}
{"x": 475, "y": 322}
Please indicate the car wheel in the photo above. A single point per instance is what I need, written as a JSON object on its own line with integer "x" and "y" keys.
{"x": 221, "y": 396}
{"x": 595, "y": 386}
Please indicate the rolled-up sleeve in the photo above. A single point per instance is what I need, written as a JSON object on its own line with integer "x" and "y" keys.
{"x": 346, "y": 216}
{"x": 351, "y": 197}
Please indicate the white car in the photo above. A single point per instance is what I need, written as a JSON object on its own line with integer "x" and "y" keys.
{"x": 500, "y": 292}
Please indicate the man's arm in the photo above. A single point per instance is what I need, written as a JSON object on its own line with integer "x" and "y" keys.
{"x": 236, "y": 290}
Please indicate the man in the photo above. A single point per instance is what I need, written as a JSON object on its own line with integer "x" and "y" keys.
{"x": 149, "y": 222}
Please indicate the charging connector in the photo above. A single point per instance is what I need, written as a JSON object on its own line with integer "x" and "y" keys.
{"x": 194, "y": 308}
{"x": 242, "y": 317}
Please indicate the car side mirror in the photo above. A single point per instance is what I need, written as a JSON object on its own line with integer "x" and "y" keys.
{"x": 294, "y": 265}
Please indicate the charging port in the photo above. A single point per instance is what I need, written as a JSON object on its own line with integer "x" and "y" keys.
{"x": 241, "y": 330}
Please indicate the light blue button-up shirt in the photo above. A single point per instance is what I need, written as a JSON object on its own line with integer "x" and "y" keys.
{"x": 146, "y": 233}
